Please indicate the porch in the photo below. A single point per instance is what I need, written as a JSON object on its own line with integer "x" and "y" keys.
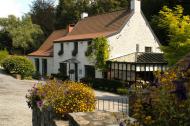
{"x": 136, "y": 67}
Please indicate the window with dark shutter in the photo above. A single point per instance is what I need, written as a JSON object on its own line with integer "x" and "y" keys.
{"x": 37, "y": 64}
{"x": 75, "y": 51}
{"x": 61, "y": 49}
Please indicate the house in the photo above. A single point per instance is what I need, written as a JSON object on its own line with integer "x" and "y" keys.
{"x": 129, "y": 36}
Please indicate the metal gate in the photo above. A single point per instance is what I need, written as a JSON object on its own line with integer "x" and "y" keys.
{"x": 113, "y": 104}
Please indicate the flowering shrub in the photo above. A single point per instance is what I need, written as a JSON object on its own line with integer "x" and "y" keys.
{"x": 167, "y": 104}
{"x": 64, "y": 97}
{"x": 18, "y": 65}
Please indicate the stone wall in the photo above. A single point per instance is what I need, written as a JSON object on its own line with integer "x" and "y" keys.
{"x": 48, "y": 118}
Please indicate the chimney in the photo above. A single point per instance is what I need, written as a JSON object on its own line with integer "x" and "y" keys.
{"x": 136, "y": 5}
{"x": 84, "y": 15}
{"x": 70, "y": 27}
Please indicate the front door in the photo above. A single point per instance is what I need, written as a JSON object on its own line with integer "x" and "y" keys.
{"x": 63, "y": 69}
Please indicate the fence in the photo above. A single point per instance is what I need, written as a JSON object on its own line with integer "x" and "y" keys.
{"x": 113, "y": 104}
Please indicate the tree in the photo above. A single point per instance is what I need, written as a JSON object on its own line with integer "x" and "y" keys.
{"x": 69, "y": 11}
{"x": 22, "y": 33}
{"x": 43, "y": 14}
{"x": 102, "y": 6}
{"x": 178, "y": 28}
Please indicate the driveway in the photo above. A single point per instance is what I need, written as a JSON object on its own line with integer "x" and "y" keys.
{"x": 15, "y": 112}
{"x": 13, "y": 106}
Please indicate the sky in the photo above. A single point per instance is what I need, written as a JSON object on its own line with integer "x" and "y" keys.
{"x": 15, "y": 7}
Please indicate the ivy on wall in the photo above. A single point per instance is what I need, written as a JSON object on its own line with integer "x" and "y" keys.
{"x": 98, "y": 52}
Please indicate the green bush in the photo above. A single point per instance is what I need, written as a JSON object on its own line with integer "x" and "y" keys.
{"x": 3, "y": 54}
{"x": 63, "y": 97}
{"x": 122, "y": 91}
{"x": 104, "y": 84}
{"x": 18, "y": 65}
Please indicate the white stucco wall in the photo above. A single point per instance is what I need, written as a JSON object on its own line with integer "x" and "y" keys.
{"x": 68, "y": 49}
{"x": 136, "y": 31}
{"x": 50, "y": 64}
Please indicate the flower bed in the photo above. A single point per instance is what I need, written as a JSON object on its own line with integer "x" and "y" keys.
{"x": 64, "y": 97}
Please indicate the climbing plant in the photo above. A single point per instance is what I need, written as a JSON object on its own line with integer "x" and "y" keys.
{"x": 98, "y": 51}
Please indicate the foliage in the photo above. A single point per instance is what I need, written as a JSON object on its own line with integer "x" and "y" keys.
{"x": 104, "y": 84}
{"x": 99, "y": 52}
{"x": 69, "y": 11}
{"x": 178, "y": 27}
{"x": 122, "y": 91}
{"x": 103, "y": 6}
{"x": 43, "y": 14}
{"x": 64, "y": 97}
{"x": 18, "y": 65}
{"x": 22, "y": 33}
{"x": 3, "y": 54}
{"x": 36, "y": 75}
{"x": 167, "y": 104}
{"x": 5, "y": 41}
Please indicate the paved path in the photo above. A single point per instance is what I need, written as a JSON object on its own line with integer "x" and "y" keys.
{"x": 13, "y": 106}
{"x": 111, "y": 102}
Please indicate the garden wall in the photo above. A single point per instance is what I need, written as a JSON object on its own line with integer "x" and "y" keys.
{"x": 48, "y": 118}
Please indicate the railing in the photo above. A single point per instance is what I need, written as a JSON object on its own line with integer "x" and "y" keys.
{"x": 113, "y": 104}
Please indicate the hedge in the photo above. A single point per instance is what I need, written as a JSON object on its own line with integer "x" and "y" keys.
{"x": 3, "y": 54}
{"x": 104, "y": 84}
{"x": 18, "y": 65}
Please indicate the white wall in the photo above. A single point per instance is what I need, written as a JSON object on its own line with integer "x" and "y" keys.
{"x": 136, "y": 31}
{"x": 49, "y": 63}
{"x": 68, "y": 48}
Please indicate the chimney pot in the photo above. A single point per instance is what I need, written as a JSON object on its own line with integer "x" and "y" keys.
{"x": 84, "y": 15}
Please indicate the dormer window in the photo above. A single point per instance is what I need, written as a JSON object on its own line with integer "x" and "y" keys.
{"x": 75, "y": 50}
{"x": 61, "y": 49}
{"x": 148, "y": 49}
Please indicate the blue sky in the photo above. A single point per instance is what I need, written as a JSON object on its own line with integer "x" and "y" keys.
{"x": 15, "y": 7}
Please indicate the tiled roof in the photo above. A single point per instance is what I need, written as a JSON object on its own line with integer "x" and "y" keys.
{"x": 142, "y": 57}
{"x": 150, "y": 58}
{"x": 96, "y": 26}
{"x": 46, "y": 49}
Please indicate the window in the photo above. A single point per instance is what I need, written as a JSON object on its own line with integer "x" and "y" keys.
{"x": 44, "y": 67}
{"x": 89, "y": 43}
{"x": 137, "y": 47}
{"x": 75, "y": 51}
{"x": 37, "y": 64}
{"x": 148, "y": 49}
{"x": 61, "y": 49}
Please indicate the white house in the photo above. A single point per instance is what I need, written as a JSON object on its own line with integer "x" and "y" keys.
{"x": 127, "y": 32}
